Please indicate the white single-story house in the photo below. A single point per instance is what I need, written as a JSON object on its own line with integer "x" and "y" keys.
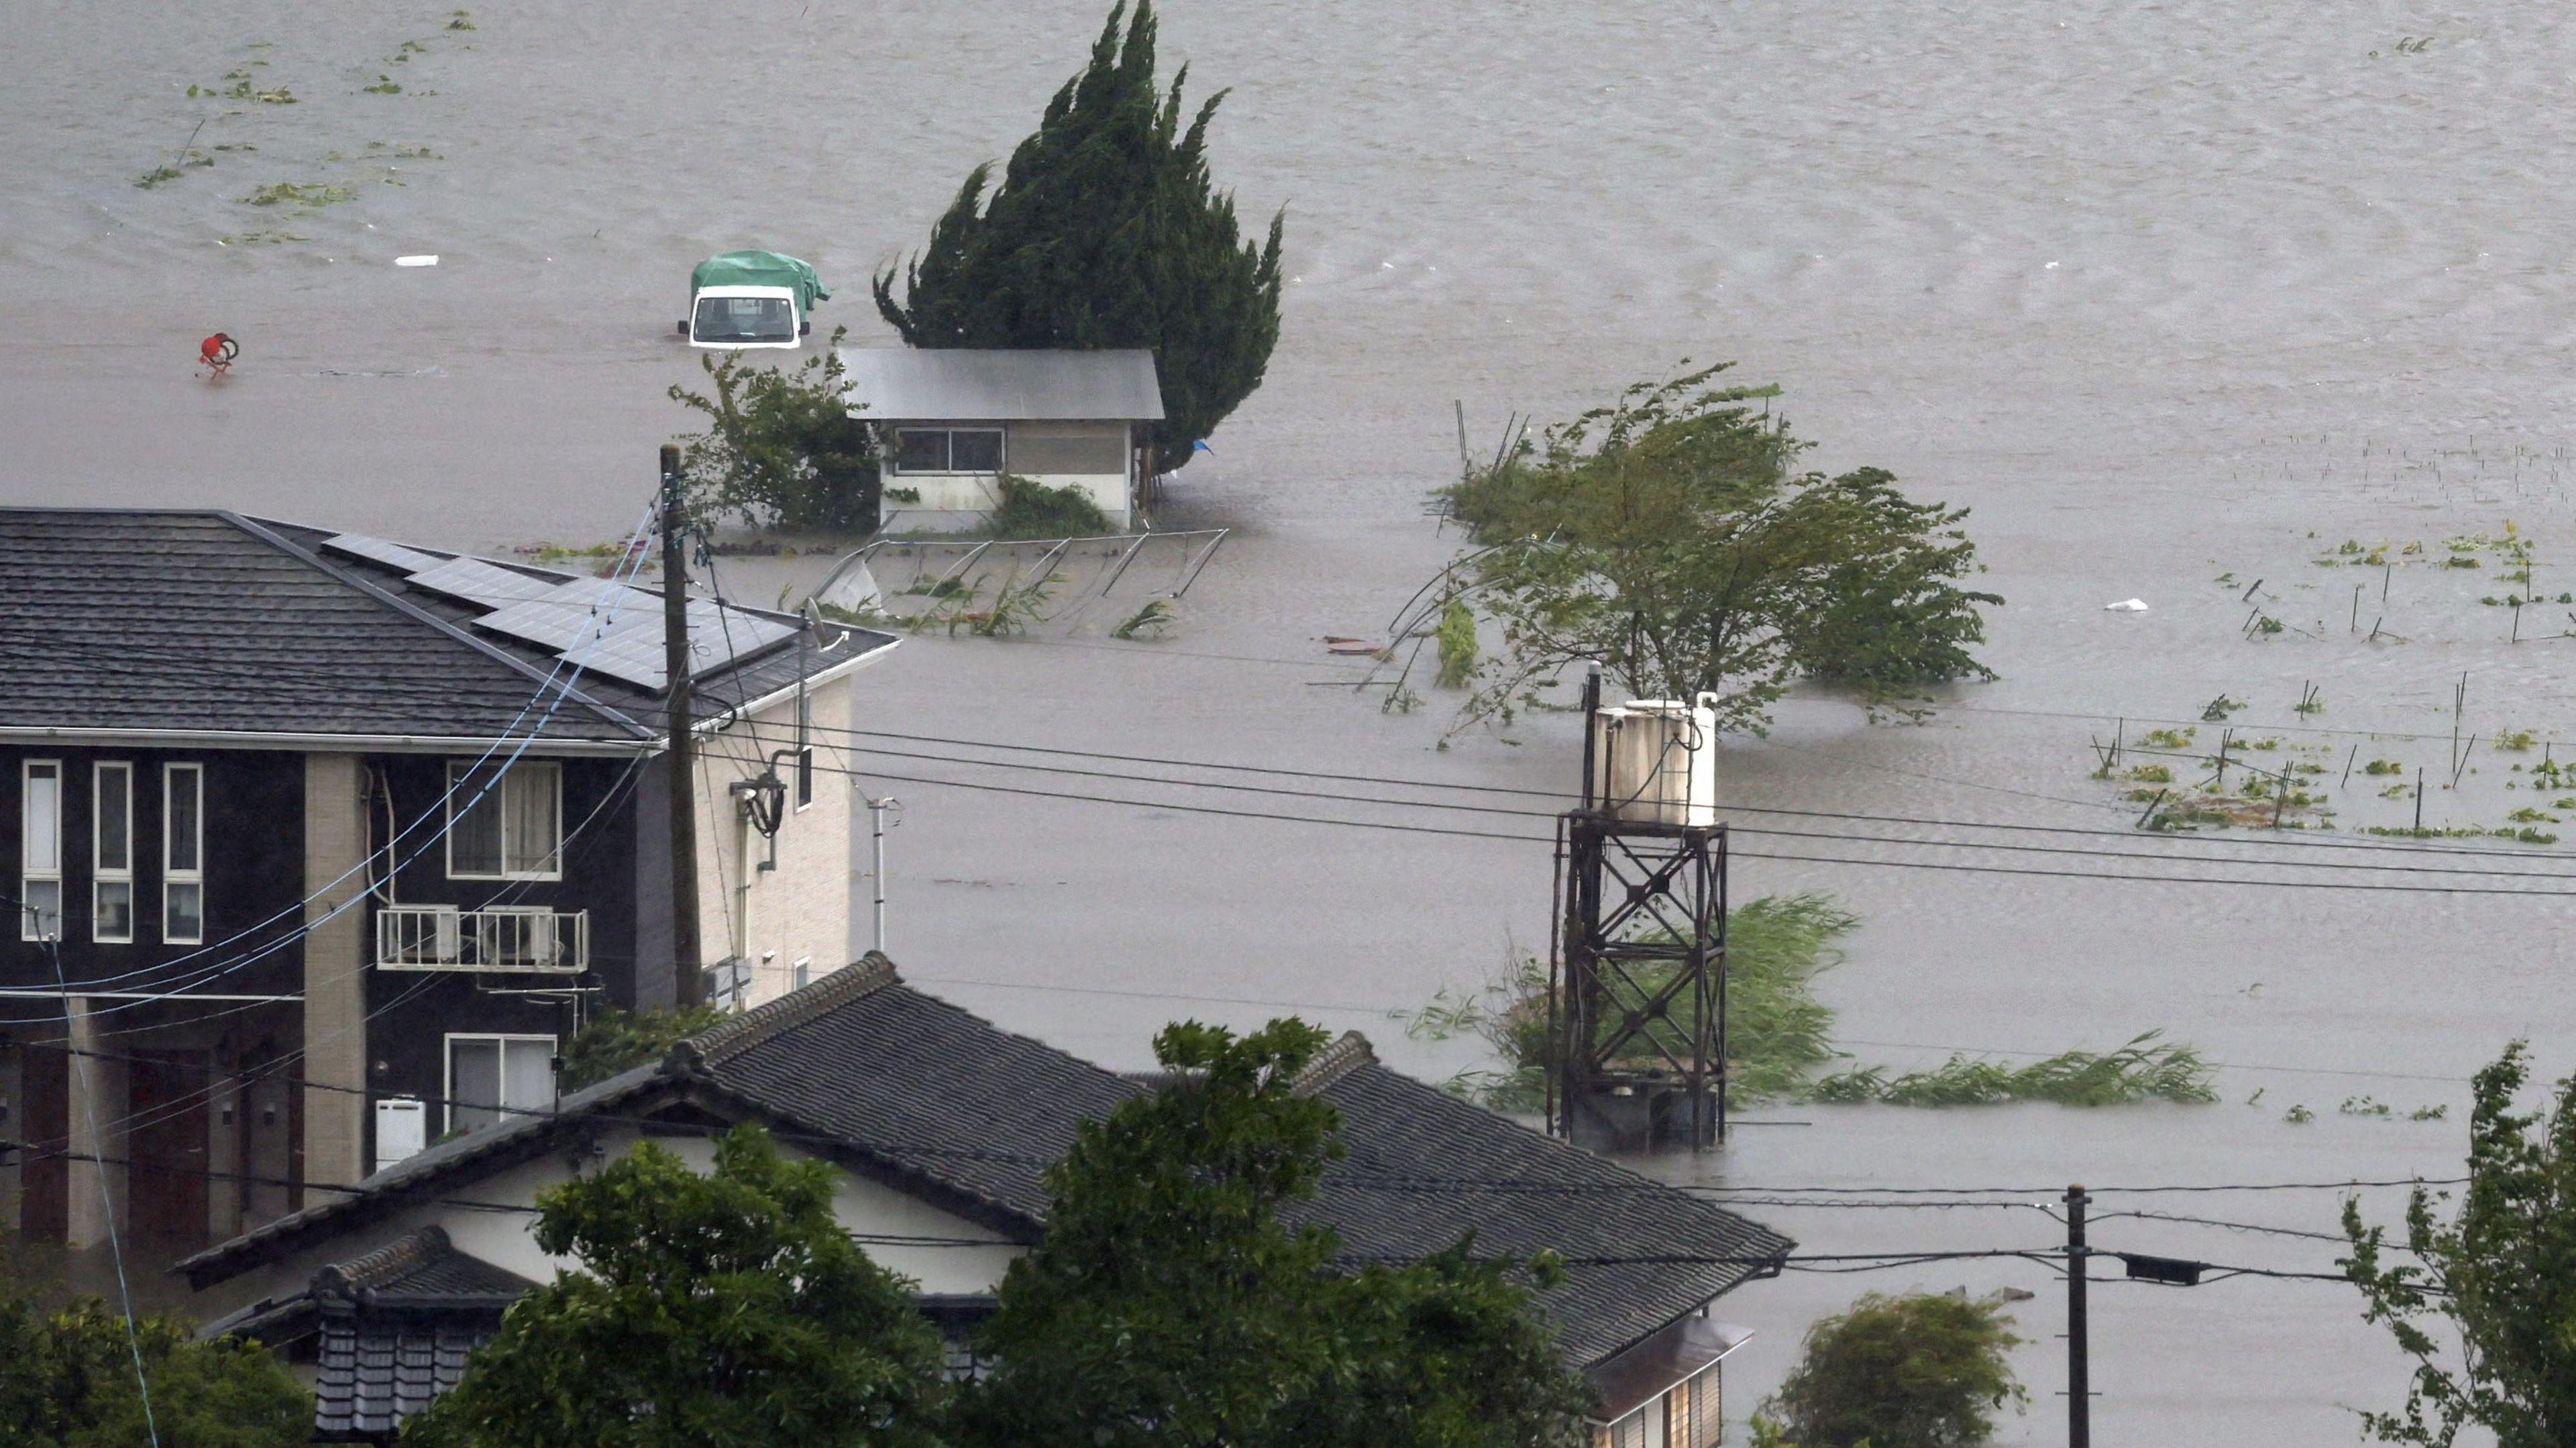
{"x": 942, "y": 1126}
{"x": 954, "y": 421}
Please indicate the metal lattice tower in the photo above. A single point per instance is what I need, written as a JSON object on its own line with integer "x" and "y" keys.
{"x": 1637, "y": 986}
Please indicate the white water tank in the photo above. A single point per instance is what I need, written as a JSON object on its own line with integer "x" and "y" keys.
{"x": 402, "y": 1129}
{"x": 1654, "y": 761}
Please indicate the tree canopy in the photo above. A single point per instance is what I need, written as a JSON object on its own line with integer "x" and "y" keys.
{"x": 1169, "y": 1306}
{"x": 1669, "y": 538}
{"x": 781, "y": 448}
{"x": 68, "y": 1379}
{"x": 2495, "y": 1284}
{"x": 1916, "y": 1371}
{"x": 1106, "y": 231}
{"x": 719, "y": 1311}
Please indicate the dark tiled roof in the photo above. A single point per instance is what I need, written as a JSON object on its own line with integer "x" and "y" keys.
{"x": 944, "y": 1104}
{"x": 208, "y": 622}
{"x": 419, "y": 1267}
{"x": 375, "y": 1371}
{"x": 871, "y": 1061}
{"x": 1420, "y": 1175}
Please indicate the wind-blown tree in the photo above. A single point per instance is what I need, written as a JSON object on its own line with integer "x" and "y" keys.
{"x": 1916, "y": 1371}
{"x": 1106, "y": 231}
{"x": 1168, "y": 1306}
{"x": 2500, "y": 1276}
{"x": 1670, "y": 538}
{"x": 721, "y": 1311}
{"x": 75, "y": 1379}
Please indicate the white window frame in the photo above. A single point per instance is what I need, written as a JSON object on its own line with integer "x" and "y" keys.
{"x": 28, "y": 928}
{"x": 460, "y": 774}
{"x": 102, "y": 874}
{"x": 447, "y": 1065}
{"x": 172, "y": 875}
{"x": 948, "y": 450}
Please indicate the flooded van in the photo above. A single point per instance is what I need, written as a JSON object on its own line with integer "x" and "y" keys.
{"x": 751, "y": 299}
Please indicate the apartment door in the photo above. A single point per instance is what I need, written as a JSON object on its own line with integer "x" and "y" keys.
{"x": 166, "y": 1095}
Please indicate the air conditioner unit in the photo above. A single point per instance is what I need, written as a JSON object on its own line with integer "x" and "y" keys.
{"x": 402, "y": 1129}
{"x": 1654, "y": 761}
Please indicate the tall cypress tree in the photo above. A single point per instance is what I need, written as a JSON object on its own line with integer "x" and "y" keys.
{"x": 1106, "y": 232}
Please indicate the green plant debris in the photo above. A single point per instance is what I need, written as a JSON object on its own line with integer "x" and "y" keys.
{"x": 2168, "y": 738}
{"x": 385, "y": 86}
{"x": 2513, "y": 740}
{"x": 243, "y": 90}
{"x": 460, "y": 20}
{"x": 2529, "y": 816}
{"x": 1153, "y": 621}
{"x": 2219, "y": 708}
{"x": 2383, "y": 766}
{"x": 1457, "y": 639}
{"x": 2459, "y": 562}
{"x": 2364, "y": 1106}
{"x": 2429, "y": 1113}
{"x": 405, "y": 51}
{"x": 163, "y": 175}
{"x": 2298, "y": 1115}
{"x": 1779, "y": 1034}
{"x": 260, "y": 238}
{"x": 2138, "y": 1071}
{"x": 314, "y": 194}
{"x": 2152, "y": 774}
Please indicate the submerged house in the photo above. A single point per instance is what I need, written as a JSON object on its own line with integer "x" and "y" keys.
{"x": 952, "y": 423}
{"x": 321, "y": 844}
{"x": 941, "y": 1125}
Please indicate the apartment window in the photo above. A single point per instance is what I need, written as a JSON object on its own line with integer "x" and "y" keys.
{"x": 111, "y": 909}
{"x": 40, "y": 854}
{"x": 493, "y": 1078}
{"x": 505, "y": 826}
{"x": 183, "y": 853}
{"x": 948, "y": 450}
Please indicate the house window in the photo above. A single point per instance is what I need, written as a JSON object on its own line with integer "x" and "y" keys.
{"x": 948, "y": 450}
{"x": 497, "y": 1078}
{"x": 111, "y": 910}
{"x": 508, "y": 827}
{"x": 183, "y": 853}
{"x": 40, "y": 835}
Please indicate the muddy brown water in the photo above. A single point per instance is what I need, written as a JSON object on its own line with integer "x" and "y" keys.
{"x": 2159, "y": 291}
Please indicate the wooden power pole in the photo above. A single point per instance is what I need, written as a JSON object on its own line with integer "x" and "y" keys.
{"x": 2079, "y": 1365}
{"x": 687, "y": 963}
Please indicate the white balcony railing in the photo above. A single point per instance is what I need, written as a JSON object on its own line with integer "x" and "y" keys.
{"x": 519, "y": 939}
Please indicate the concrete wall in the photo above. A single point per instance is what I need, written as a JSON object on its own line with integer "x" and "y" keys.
{"x": 1057, "y": 454}
{"x": 335, "y": 959}
{"x": 799, "y": 911}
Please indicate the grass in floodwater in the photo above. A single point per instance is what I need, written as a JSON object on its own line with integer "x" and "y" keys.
{"x": 301, "y": 193}
{"x": 1779, "y": 1034}
{"x": 2142, "y": 1070}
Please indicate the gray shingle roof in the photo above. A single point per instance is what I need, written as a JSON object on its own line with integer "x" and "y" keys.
{"x": 959, "y": 384}
{"x": 373, "y": 1372}
{"x": 917, "y": 1090}
{"x": 203, "y": 622}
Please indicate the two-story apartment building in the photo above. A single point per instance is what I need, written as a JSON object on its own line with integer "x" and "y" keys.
{"x": 319, "y": 846}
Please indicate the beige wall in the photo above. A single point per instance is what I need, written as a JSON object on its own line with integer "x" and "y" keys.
{"x": 1057, "y": 454}
{"x": 335, "y": 950}
{"x": 801, "y": 910}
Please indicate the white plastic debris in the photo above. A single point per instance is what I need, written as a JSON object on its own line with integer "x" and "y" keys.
{"x": 2126, "y": 605}
{"x": 415, "y": 261}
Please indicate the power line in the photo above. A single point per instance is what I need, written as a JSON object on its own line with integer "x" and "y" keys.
{"x": 1563, "y": 799}
{"x": 1775, "y": 855}
{"x": 2149, "y": 856}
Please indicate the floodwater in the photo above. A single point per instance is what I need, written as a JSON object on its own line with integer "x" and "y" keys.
{"x": 2164, "y": 292}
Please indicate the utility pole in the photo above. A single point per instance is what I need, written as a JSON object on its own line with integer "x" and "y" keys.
{"x": 877, "y": 818}
{"x": 2079, "y": 1371}
{"x": 687, "y": 963}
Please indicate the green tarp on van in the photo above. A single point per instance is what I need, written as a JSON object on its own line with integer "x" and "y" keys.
{"x": 761, "y": 269}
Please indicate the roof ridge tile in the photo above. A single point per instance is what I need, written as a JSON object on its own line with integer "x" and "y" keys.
{"x": 870, "y": 972}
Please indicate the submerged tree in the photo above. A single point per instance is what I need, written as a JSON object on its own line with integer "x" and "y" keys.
{"x": 781, "y": 448}
{"x": 728, "y": 1309}
{"x": 1169, "y": 1306}
{"x": 1669, "y": 538}
{"x": 1106, "y": 231}
{"x": 1916, "y": 1371}
{"x": 2500, "y": 1276}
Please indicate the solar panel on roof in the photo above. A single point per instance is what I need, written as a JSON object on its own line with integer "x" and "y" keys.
{"x": 488, "y": 584}
{"x": 377, "y": 550}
